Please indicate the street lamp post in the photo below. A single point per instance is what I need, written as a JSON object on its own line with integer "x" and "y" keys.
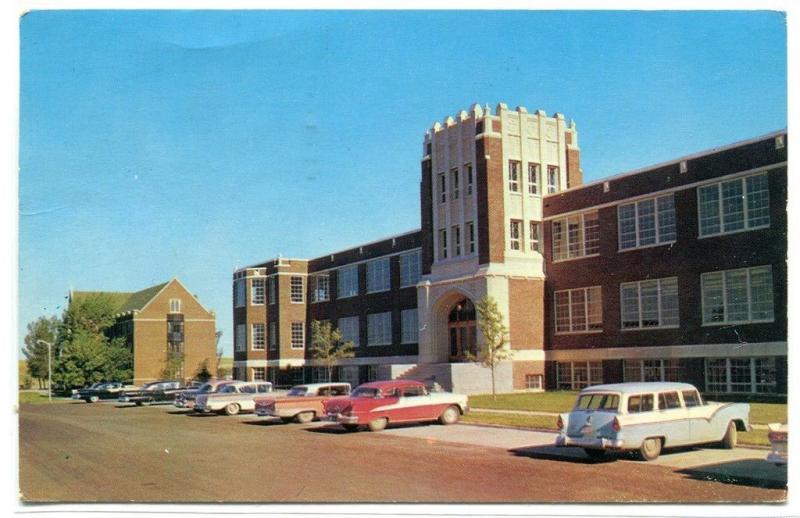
{"x": 49, "y": 369}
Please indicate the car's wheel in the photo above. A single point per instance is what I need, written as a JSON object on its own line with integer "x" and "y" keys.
{"x": 729, "y": 439}
{"x": 350, "y": 427}
{"x": 139, "y": 403}
{"x": 449, "y": 416}
{"x": 378, "y": 424}
{"x": 594, "y": 454}
{"x": 147, "y": 402}
{"x": 287, "y": 420}
{"x": 232, "y": 409}
{"x": 651, "y": 448}
{"x": 305, "y": 417}
{"x": 94, "y": 399}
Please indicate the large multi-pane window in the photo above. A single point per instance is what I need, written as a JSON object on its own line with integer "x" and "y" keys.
{"x": 579, "y": 310}
{"x": 533, "y": 178}
{"x": 743, "y": 375}
{"x": 647, "y": 222}
{"x": 737, "y": 296}
{"x": 272, "y": 286}
{"x": 320, "y": 287}
{"x": 576, "y": 236}
{"x": 454, "y": 183}
{"x": 379, "y": 328}
{"x": 513, "y": 175}
{"x": 257, "y": 291}
{"x": 577, "y": 375}
{"x": 240, "y": 338}
{"x": 735, "y": 205}
{"x": 535, "y": 236}
{"x": 410, "y": 268}
{"x": 515, "y": 234}
{"x": 257, "y": 338}
{"x": 651, "y": 370}
{"x": 239, "y": 295}
{"x": 651, "y": 303}
{"x": 347, "y": 282}
{"x": 378, "y": 276}
{"x": 349, "y": 328}
{"x": 409, "y": 332}
{"x": 296, "y": 289}
{"x": 552, "y": 179}
{"x": 298, "y": 335}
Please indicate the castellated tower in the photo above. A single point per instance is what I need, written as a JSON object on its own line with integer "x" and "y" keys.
{"x": 483, "y": 179}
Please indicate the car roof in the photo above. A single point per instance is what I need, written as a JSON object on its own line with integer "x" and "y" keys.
{"x": 312, "y": 386}
{"x": 646, "y": 386}
{"x": 391, "y": 383}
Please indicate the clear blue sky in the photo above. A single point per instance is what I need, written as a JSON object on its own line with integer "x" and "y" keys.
{"x": 161, "y": 144}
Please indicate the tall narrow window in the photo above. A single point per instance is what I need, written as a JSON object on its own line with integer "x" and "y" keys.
{"x": 239, "y": 295}
{"x": 535, "y": 236}
{"x": 257, "y": 338}
{"x": 379, "y": 328}
{"x": 456, "y": 240}
{"x": 240, "y": 338}
{"x": 320, "y": 287}
{"x": 442, "y": 188}
{"x": 174, "y": 305}
{"x": 515, "y": 232}
{"x": 273, "y": 336}
{"x": 273, "y": 296}
{"x": 347, "y": 282}
{"x": 552, "y": 179}
{"x": 349, "y": 328}
{"x": 454, "y": 183}
{"x": 408, "y": 325}
{"x": 296, "y": 289}
{"x": 533, "y": 178}
{"x": 298, "y": 335}
{"x": 468, "y": 172}
{"x": 471, "y": 236}
{"x": 257, "y": 291}
{"x": 442, "y": 244}
{"x": 410, "y": 269}
{"x": 378, "y": 277}
{"x": 513, "y": 175}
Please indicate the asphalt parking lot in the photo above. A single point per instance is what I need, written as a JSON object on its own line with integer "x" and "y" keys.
{"x": 114, "y": 453}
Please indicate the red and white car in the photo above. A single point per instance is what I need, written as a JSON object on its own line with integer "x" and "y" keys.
{"x": 379, "y": 403}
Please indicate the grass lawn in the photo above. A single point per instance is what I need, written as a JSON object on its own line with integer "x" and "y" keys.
{"x": 556, "y": 401}
{"x": 765, "y": 413}
{"x": 38, "y": 398}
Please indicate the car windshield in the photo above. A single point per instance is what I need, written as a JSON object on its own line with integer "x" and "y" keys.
{"x": 597, "y": 402}
{"x": 227, "y": 389}
{"x": 297, "y": 391}
{"x": 366, "y": 392}
{"x": 151, "y": 386}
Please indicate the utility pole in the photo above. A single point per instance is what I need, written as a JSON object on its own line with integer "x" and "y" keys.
{"x": 49, "y": 369}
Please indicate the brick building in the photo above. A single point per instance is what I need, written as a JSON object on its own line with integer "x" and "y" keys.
{"x": 159, "y": 320}
{"x": 504, "y": 213}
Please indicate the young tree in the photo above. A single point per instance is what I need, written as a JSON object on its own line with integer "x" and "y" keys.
{"x": 495, "y": 333}
{"x": 327, "y": 345}
{"x": 173, "y": 368}
{"x": 203, "y": 374}
{"x": 43, "y": 328}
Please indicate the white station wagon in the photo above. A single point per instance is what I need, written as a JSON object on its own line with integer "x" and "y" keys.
{"x": 648, "y": 417}
{"x": 233, "y": 398}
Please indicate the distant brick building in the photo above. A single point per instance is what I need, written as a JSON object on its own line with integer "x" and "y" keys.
{"x": 159, "y": 320}
{"x": 632, "y": 277}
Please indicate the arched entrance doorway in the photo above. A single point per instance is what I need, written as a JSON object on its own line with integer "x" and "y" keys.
{"x": 463, "y": 332}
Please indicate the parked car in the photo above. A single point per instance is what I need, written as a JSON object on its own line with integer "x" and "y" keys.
{"x": 779, "y": 440}
{"x": 76, "y": 393}
{"x": 648, "y": 417}
{"x": 186, "y": 398}
{"x": 303, "y": 403}
{"x": 106, "y": 390}
{"x": 379, "y": 403}
{"x": 233, "y": 398}
{"x": 155, "y": 392}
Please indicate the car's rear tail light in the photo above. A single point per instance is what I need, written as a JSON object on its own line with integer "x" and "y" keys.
{"x": 560, "y": 423}
{"x": 615, "y": 425}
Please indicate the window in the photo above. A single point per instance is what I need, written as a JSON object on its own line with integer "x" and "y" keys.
{"x": 296, "y": 287}
{"x": 468, "y": 172}
{"x": 456, "y": 240}
{"x": 651, "y": 370}
{"x": 257, "y": 338}
{"x": 442, "y": 188}
{"x": 410, "y": 269}
{"x": 273, "y": 336}
{"x": 533, "y": 381}
{"x": 259, "y": 374}
{"x": 174, "y": 305}
{"x": 320, "y": 287}
{"x": 535, "y": 238}
{"x": 442, "y": 244}
{"x": 513, "y": 175}
{"x": 668, "y": 400}
{"x": 579, "y": 310}
{"x": 533, "y": 178}
{"x": 640, "y": 403}
{"x": 347, "y": 282}
{"x": 737, "y": 296}
{"x": 240, "y": 338}
{"x": 238, "y": 293}
{"x": 648, "y": 304}
{"x": 257, "y": 291}
{"x": 372, "y": 372}
{"x": 576, "y": 236}
{"x": 348, "y": 326}
{"x": 378, "y": 277}
{"x": 735, "y": 205}
{"x": 552, "y": 179}
{"x": 691, "y": 398}
{"x": 471, "y": 236}
{"x": 379, "y": 329}
{"x": 408, "y": 326}
{"x": 298, "y": 335}
{"x": 741, "y": 375}
{"x": 577, "y": 375}
{"x": 273, "y": 296}
{"x": 515, "y": 229}
{"x": 454, "y": 183}
{"x": 647, "y": 222}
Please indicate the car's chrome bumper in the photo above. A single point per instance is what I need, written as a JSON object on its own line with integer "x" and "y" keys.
{"x": 342, "y": 419}
{"x": 184, "y": 404}
{"x": 123, "y": 399}
{"x": 265, "y": 412}
{"x": 600, "y": 443}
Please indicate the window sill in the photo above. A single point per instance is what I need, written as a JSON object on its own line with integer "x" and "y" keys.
{"x": 378, "y": 291}
{"x": 737, "y": 323}
{"x": 731, "y": 232}
{"x": 379, "y": 345}
{"x": 654, "y": 328}
{"x": 644, "y": 247}
{"x": 297, "y": 348}
{"x": 295, "y": 302}
{"x": 575, "y": 258}
{"x": 567, "y": 333}
{"x": 256, "y": 303}
{"x": 319, "y": 301}
{"x": 341, "y": 297}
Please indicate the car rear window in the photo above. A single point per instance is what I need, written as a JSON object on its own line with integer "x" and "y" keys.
{"x": 667, "y": 400}
{"x": 297, "y": 391}
{"x": 640, "y": 403}
{"x": 691, "y": 398}
{"x": 365, "y": 392}
{"x": 597, "y": 402}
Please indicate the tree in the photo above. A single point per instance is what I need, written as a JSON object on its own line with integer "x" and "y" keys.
{"x": 327, "y": 345}
{"x": 173, "y": 368}
{"x": 495, "y": 333}
{"x": 43, "y": 328}
{"x": 83, "y": 360}
{"x": 203, "y": 374}
{"x": 119, "y": 361}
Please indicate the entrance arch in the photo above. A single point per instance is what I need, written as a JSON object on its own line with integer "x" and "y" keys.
{"x": 462, "y": 331}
